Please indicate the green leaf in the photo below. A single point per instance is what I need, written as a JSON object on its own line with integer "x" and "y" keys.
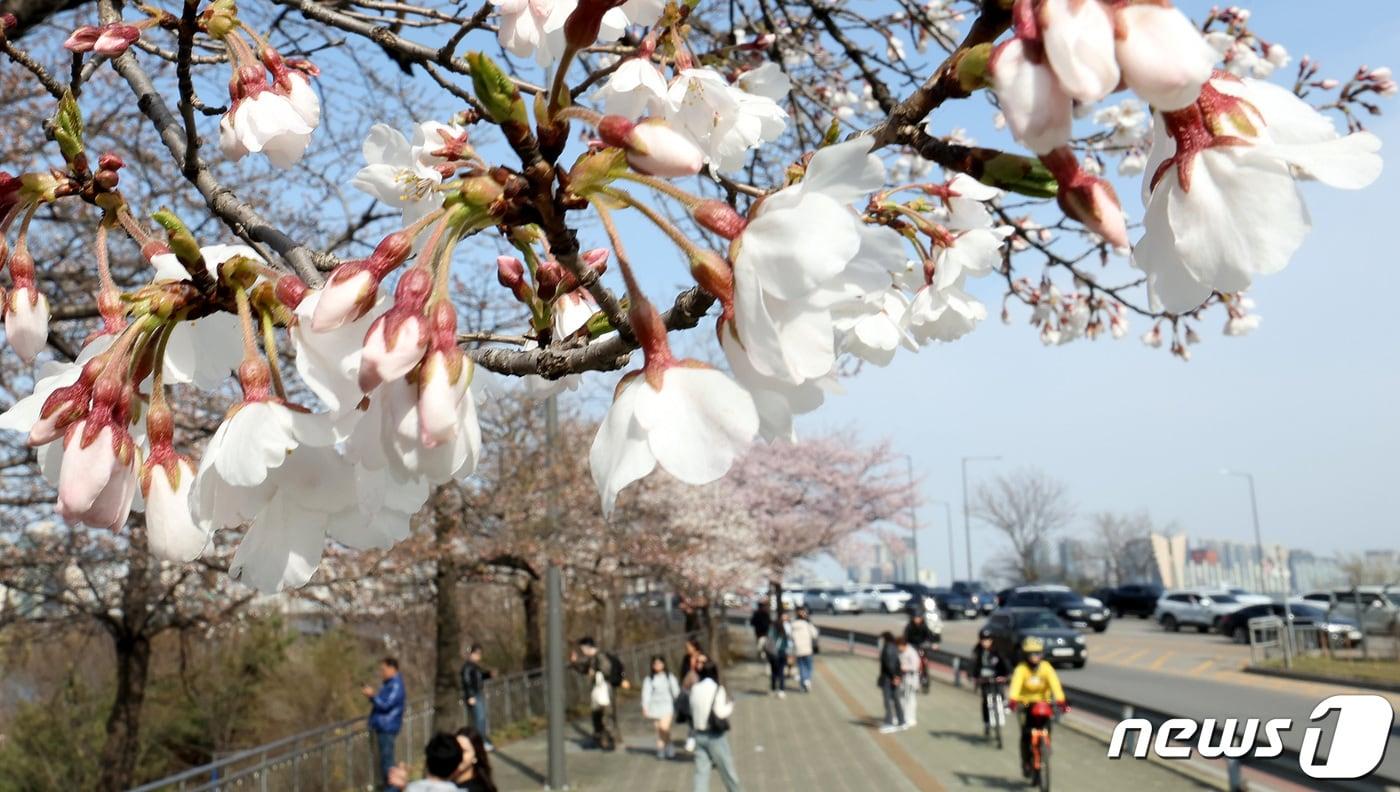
{"x": 68, "y": 127}
{"x": 496, "y": 91}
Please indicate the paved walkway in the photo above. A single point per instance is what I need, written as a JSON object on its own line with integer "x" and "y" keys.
{"x": 826, "y": 741}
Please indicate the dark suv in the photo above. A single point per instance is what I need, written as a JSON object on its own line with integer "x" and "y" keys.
{"x": 1136, "y": 599}
{"x": 1068, "y": 605}
{"x": 986, "y": 601}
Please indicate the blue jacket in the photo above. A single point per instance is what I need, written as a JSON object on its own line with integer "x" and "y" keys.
{"x": 387, "y": 713}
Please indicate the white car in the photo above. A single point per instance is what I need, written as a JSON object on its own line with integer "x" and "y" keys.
{"x": 1242, "y": 596}
{"x": 889, "y": 598}
{"x": 1193, "y": 608}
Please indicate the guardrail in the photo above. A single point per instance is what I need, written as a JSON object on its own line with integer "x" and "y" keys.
{"x": 340, "y": 755}
{"x": 1284, "y": 767}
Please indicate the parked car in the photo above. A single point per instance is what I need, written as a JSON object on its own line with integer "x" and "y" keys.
{"x": 1193, "y": 608}
{"x": 1064, "y": 645}
{"x": 1242, "y": 595}
{"x": 981, "y": 596}
{"x": 1136, "y": 599}
{"x": 1073, "y": 608}
{"x": 954, "y": 606}
{"x": 1379, "y": 605}
{"x": 890, "y": 598}
{"x": 1340, "y": 630}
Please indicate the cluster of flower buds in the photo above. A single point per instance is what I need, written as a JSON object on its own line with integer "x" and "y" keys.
{"x": 1068, "y": 51}
{"x": 555, "y": 298}
{"x": 275, "y": 117}
{"x": 110, "y": 40}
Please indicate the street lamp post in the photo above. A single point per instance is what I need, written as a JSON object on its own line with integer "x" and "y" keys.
{"x": 1259, "y": 548}
{"x": 913, "y": 517}
{"x": 967, "y": 525}
{"x": 554, "y": 622}
{"x": 948, "y": 521}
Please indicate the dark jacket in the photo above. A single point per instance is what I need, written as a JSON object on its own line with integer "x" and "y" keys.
{"x": 386, "y": 714}
{"x": 987, "y": 659}
{"x": 473, "y": 680}
{"x": 760, "y": 622}
{"x": 889, "y": 662}
{"x": 918, "y": 634}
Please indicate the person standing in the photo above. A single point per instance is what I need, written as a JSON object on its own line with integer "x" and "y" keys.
{"x": 778, "y": 646}
{"x": 711, "y": 708}
{"x": 474, "y": 678}
{"x": 761, "y": 621}
{"x": 603, "y": 673}
{"x": 659, "y": 692}
{"x": 386, "y": 715}
{"x": 911, "y": 664}
{"x": 690, "y": 663}
{"x": 890, "y": 676}
{"x": 804, "y": 647}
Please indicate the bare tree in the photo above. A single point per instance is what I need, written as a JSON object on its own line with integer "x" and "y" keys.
{"x": 1119, "y": 545}
{"x": 1029, "y": 508}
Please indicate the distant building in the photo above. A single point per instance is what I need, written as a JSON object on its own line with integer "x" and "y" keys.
{"x": 1311, "y": 571}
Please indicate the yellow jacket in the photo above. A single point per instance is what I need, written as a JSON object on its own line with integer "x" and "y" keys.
{"x": 1042, "y": 684}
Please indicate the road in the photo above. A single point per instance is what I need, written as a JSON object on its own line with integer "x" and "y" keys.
{"x": 1186, "y": 673}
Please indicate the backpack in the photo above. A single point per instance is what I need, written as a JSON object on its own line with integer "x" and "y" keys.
{"x": 683, "y": 707}
{"x": 614, "y": 672}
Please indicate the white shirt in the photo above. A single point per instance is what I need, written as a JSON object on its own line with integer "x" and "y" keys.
{"x": 431, "y": 785}
{"x": 706, "y": 696}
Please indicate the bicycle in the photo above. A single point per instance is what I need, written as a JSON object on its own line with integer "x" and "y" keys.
{"x": 924, "y": 663}
{"x": 993, "y": 705}
{"x": 1036, "y": 766}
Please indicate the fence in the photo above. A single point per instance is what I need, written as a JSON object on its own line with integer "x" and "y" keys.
{"x": 341, "y": 756}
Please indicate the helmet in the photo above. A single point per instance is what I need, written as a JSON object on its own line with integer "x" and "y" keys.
{"x": 984, "y": 634}
{"x": 1032, "y": 645}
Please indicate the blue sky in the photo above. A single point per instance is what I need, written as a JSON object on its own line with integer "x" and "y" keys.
{"x": 1307, "y": 403}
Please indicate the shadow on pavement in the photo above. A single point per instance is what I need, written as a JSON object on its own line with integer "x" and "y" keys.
{"x": 980, "y": 781}
{"x": 961, "y": 736}
{"x": 504, "y": 758}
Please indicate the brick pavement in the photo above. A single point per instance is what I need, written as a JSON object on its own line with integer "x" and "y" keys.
{"x": 826, "y": 742}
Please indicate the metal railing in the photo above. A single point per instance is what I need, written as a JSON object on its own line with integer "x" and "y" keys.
{"x": 342, "y": 756}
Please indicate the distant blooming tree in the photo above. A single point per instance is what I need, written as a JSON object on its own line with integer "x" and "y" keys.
{"x": 807, "y": 166}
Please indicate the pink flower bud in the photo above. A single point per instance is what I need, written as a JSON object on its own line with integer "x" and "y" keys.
{"x": 171, "y": 530}
{"x": 1164, "y": 58}
{"x": 441, "y": 387}
{"x": 82, "y": 39}
{"x": 290, "y": 291}
{"x": 1037, "y": 109}
{"x": 348, "y": 295}
{"x": 584, "y": 23}
{"x": 97, "y": 481}
{"x": 719, "y": 217}
{"x": 391, "y": 350}
{"x": 1087, "y": 198}
{"x": 115, "y": 39}
{"x": 510, "y": 273}
{"x": 658, "y": 150}
{"x": 597, "y": 259}
{"x": 547, "y": 279}
{"x": 27, "y": 322}
{"x": 110, "y": 161}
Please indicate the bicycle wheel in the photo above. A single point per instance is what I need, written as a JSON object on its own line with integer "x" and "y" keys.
{"x": 1045, "y": 763}
{"x": 997, "y": 718}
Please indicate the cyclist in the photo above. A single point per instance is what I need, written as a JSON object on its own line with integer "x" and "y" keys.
{"x": 988, "y": 667}
{"x": 1034, "y": 688}
{"x": 918, "y": 635}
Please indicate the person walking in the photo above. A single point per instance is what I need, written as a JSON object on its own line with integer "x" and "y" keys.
{"x": 711, "y": 708}
{"x": 804, "y": 647}
{"x": 911, "y": 664}
{"x": 386, "y": 715}
{"x": 890, "y": 676}
{"x": 659, "y": 692}
{"x": 474, "y": 678}
{"x": 690, "y": 663}
{"x": 778, "y": 646}
{"x": 604, "y": 674}
{"x": 761, "y": 621}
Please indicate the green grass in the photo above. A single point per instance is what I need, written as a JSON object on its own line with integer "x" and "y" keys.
{"x": 1368, "y": 670}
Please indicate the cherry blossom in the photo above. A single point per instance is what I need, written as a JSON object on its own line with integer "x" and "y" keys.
{"x": 399, "y": 174}
{"x": 171, "y": 529}
{"x": 26, "y": 322}
{"x": 1224, "y": 205}
{"x": 636, "y": 88}
{"x": 202, "y": 351}
{"x": 261, "y": 120}
{"x": 724, "y": 120}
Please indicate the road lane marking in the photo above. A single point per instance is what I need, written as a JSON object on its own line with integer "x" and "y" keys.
{"x": 1134, "y": 657}
{"x": 902, "y": 759}
{"x": 1161, "y": 661}
{"x": 1200, "y": 669}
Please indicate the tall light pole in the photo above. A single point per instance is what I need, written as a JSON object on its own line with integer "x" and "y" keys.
{"x": 1259, "y": 548}
{"x": 554, "y": 620}
{"x": 948, "y": 521}
{"x": 913, "y": 516}
{"x": 967, "y": 526}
